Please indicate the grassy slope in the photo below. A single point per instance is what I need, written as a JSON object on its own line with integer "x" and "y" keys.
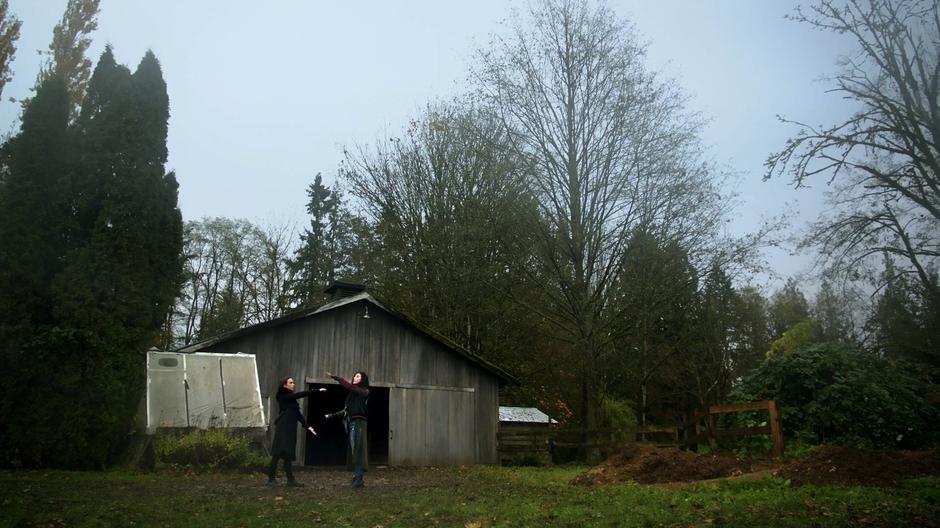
{"x": 475, "y": 496}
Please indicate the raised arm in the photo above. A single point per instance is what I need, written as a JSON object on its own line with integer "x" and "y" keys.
{"x": 350, "y": 386}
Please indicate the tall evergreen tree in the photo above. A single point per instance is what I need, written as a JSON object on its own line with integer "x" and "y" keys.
{"x": 714, "y": 359}
{"x": 904, "y": 323}
{"x": 325, "y": 245}
{"x": 753, "y": 329}
{"x": 788, "y": 308}
{"x": 33, "y": 215}
{"x": 119, "y": 237}
{"x": 832, "y": 315}
{"x": 655, "y": 299}
{"x": 33, "y": 218}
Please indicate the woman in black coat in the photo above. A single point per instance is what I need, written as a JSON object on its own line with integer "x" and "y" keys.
{"x": 285, "y": 430}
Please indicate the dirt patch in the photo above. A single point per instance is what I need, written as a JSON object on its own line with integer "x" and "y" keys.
{"x": 654, "y": 465}
{"x": 840, "y": 466}
{"x": 846, "y": 466}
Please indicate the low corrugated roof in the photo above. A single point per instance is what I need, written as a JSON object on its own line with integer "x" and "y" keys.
{"x": 523, "y": 414}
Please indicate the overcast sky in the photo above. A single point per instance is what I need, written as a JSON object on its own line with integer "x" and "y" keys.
{"x": 264, "y": 95}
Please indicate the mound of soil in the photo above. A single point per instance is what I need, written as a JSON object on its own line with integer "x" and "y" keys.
{"x": 653, "y": 465}
{"x": 846, "y": 466}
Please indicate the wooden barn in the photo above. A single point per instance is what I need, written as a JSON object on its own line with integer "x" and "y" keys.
{"x": 432, "y": 402}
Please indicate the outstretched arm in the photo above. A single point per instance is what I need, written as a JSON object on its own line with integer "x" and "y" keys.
{"x": 297, "y": 395}
{"x": 350, "y": 386}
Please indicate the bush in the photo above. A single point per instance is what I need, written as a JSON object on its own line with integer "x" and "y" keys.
{"x": 214, "y": 449}
{"x": 833, "y": 393}
{"x": 618, "y": 415}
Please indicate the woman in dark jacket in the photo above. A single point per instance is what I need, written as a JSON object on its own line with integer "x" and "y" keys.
{"x": 285, "y": 430}
{"x": 356, "y": 414}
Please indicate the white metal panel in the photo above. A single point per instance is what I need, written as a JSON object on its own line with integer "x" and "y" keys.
{"x": 166, "y": 394}
{"x": 204, "y": 384}
{"x": 242, "y": 395}
{"x": 203, "y": 390}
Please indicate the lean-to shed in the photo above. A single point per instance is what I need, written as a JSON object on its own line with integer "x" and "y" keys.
{"x": 525, "y": 435}
{"x": 432, "y": 402}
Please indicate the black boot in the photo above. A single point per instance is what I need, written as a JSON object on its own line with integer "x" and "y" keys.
{"x": 272, "y": 470}
{"x": 288, "y": 468}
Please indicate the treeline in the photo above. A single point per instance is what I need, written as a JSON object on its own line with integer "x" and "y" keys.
{"x": 563, "y": 220}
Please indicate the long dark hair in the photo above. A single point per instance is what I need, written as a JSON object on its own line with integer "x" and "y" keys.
{"x": 364, "y": 382}
{"x": 283, "y": 382}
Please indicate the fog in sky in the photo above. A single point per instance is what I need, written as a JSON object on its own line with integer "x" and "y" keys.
{"x": 264, "y": 95}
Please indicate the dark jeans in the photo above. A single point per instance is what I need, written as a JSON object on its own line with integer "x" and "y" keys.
{"x": 355, "y": 435}
{"x": 272, "y": 469}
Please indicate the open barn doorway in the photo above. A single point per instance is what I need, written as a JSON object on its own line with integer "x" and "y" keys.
{"x": 328, "y": 447}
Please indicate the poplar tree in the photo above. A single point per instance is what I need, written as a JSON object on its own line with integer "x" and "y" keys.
{"x": 66, "y": 52}
{"x": 9, "y": 34}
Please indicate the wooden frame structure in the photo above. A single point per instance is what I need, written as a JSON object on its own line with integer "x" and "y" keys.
{"x": 774, "y": 427}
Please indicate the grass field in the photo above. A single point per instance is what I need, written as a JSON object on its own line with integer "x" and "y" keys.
{"x": 462, "y": 497}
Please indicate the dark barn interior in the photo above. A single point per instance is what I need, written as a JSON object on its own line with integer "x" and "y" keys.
{"x": 328, "y": 448}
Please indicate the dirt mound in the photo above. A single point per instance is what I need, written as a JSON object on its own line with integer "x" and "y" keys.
{"x": 846, "y": 466}
{"x": 653, "y": 465}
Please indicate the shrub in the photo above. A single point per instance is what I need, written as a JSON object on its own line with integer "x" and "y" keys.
{"x": 213, "y": 449}
{"x": 834, "y": 393}
{"x": 618, "y": 415}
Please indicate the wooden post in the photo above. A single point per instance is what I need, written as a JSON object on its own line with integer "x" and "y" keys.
{"x": 712, "y": 436}
{"x": 776, "y": 431}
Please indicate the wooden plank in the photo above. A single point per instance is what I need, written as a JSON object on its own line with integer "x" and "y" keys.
{"x": 503, "y": 434}
{"x": 582, "y": 444}
{"x": 523, "y": 449}
{"x": 740, "y": 407}
{"x": 742, "y": 431}
{"x": 648, "y": 429}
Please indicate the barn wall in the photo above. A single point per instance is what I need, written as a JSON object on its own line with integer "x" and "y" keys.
{"x": 427, "y": 381}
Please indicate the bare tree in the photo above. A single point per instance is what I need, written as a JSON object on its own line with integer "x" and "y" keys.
{"x": 270, "y": 293}
{"x": 885, "y": 159}
{"x": 443, "y": 202}
{"x": 612, "y": 149}
{"x": 223, "y": 258}
{"x": 9, "y": 34}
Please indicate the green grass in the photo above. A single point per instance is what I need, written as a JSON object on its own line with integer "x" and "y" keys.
{"x": 472, "y": 496}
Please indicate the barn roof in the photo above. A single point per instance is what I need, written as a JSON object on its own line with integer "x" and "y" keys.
{"x": 523, "y": 414}
{"x": 504, "y": 376}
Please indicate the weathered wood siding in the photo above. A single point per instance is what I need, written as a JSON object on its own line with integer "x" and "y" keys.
{"x": 524, "y": 443}
{"x": 443, "y": 408}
